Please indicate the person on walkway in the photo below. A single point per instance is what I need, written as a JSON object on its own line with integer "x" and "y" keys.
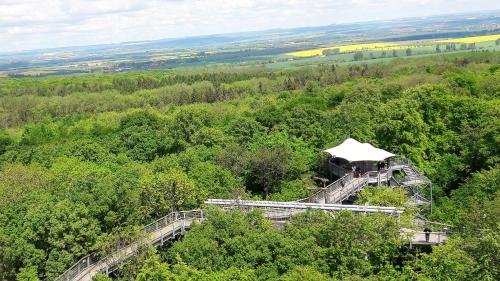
{"x": 427, "y": 234}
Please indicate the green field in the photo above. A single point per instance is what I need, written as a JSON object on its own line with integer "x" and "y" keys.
{"x": 419, "y": 49}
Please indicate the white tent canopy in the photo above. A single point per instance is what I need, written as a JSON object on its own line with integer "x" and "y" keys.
{"x": 354, "y": 151}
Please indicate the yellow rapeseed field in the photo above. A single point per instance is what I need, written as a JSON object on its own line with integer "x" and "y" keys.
{"x": 349, "y": 48}
{"x": 473, "y": 39}
{"x": 388, "y": 46}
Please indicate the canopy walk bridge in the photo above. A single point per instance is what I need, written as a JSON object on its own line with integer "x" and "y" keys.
{"x": 327, "y": 199}
{"x": 175, "y": 224}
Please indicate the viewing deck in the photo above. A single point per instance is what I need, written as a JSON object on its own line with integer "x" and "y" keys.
{"x": 349, "y": 184}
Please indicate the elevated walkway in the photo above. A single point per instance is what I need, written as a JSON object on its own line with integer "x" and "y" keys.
{"x": 158, "y": 232}
{"x": 327, "y": 199}
{"x": 269, "y": 207}
{"x": 174, "y": 224}
{"x": 418, "y": 238}
{"x": 338, "y": 191}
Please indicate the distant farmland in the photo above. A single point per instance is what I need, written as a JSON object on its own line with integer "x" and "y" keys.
{"x": 349, "y": 48}
{"x": 473, "y": 39}
{"x": 390, "y": 46}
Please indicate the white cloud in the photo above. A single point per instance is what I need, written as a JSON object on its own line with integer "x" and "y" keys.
{"x": 28, "y": 24}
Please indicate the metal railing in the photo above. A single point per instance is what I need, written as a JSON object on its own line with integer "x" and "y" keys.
{"x": 323, "y": 195}
{"x": 346, "y": 187}
{"x": 272, "y": 210}
{"x": 421, "y": 222}
{"x": 419, "y": 237}
{"x": 400, "y": 161}
{"x": 89, "y": 261}
{"x": 340, "y": 182}
{"x": 79, "y": 267}
{"x": 172, "y": 217}
{"x": 290, "y": 206}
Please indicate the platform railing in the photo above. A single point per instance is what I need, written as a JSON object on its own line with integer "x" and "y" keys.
{"x": 343, "y": 189}
{"x": 339, "y": 190}
{"x": 291, "y": 206}
{"x": 400, "y": 161}
{"x": 434, "y": 237}
{"x": 321, "y": 195}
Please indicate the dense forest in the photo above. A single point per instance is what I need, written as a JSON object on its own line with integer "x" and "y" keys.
{"x": 87, "y": 160}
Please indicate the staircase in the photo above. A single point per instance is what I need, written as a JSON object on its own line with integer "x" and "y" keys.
{"x": 339, "y": 190}
{"x": 413, "y": 178}
{"x": 336, "y": 195}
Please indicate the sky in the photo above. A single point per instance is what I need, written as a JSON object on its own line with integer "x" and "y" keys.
{"x": 39, "y": 24}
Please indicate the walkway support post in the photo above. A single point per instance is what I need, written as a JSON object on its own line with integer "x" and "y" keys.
{"x": 430, "y": 184}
